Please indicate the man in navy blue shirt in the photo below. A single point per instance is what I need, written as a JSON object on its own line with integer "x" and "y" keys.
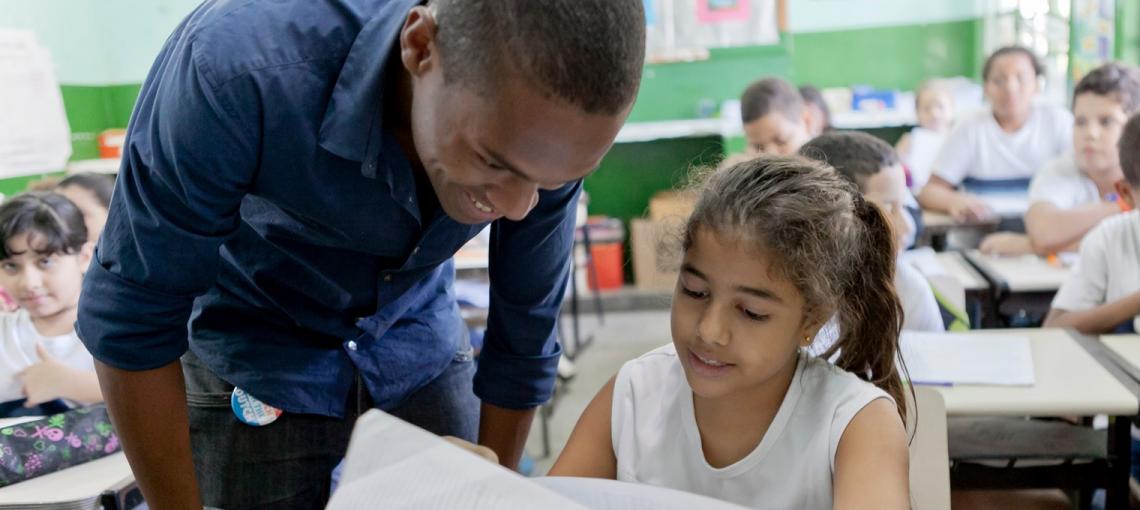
{"x": 296, "y": 178}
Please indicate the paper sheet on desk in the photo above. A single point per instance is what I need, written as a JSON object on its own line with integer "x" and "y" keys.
{"x": 945, "y": 358}
{"x": 392, "y": 464}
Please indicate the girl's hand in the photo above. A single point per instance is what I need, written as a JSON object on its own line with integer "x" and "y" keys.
{"x": 47, "y": 380}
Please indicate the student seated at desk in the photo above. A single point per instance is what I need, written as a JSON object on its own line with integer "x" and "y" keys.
{"x": 934, "y": 107}
{"x": 873, "y": 166}
{"x": 776, "y": 120}
{"x": 91, "y": 192}
{"x": 43, "y": 254}
{"x": 735, "y": 407}
{"x": 819, "y": 116}
{"x": 994, "y": 152}
{"x": 1102, "y": 294}
{"x": 1074, "y": 192}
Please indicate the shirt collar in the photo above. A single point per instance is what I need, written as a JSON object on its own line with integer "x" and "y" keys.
{"x": 352, "y": 127}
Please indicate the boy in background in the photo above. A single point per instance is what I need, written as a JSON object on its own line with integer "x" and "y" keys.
{"x": 1102, "y": 293}
{"x": 775, "y": 117}
{"x": 874, "y": 167}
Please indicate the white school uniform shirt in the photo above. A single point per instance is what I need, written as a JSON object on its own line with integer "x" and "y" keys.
{"x": 983, "y": 159}
{"x": 1109, "y": 266}
{"x": 18, "y": 351}
{"x": 1062, "y": 184}
{"x": 656, "y": 440}
{"x": 920, "y": 154}
{"x": 920, "y": 309}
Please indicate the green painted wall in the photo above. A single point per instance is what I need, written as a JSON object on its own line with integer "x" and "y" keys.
{"x": 1129, "y": 25}
{"x": 887, "y": 57}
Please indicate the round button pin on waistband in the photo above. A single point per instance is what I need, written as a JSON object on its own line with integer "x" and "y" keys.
{"x": 252, "y": 411}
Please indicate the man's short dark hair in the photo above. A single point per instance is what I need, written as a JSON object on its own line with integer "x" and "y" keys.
{"x": 770, "y": 95}
{"x": 856, "y": 155}
{"x": 1118, "y": 80}
{"x": 587, "y": 52}
{"x": 812, "y": 95}
{"x": 1129, "y": 146}
{"x": 1038, "y": 67}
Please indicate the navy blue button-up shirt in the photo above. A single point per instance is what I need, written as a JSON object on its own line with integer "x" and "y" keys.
{"x": 263, "y": 203}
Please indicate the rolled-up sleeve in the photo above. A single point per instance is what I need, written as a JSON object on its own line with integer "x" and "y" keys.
{"x": 530, "y": 261}
{"x": 190, "y": 155}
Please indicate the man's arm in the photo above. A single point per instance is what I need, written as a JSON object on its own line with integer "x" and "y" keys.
{"x": 530, "y": 265}
{"x": 148, "y": 410}
{"x": 504, "y": 431}
{"x": 190, "y": 156}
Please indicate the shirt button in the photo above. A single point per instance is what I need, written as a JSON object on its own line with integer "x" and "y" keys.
{"x": 411, "y": 200}
{"x": 351, "y": 345}
{"x": 387, "y": 277}
{"x": 415, "y": 250}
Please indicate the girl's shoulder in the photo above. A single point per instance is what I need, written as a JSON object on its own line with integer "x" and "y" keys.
{"x": 653, "y": 375}
{"x": 832, "y": 386}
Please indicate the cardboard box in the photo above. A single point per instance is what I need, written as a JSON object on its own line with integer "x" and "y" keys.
{"x": 655, "y": 247}
{"x": 671, "y": 206}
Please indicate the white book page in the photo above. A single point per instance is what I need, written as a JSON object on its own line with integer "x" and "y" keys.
{"x": 392, "y": 464}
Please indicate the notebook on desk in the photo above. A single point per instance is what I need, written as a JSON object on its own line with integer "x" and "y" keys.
{"x": 947, "y": 359}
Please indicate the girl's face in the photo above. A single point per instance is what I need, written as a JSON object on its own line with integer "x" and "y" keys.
{"x": 94, "y": 213}
{"x": 736, "y": 326}
{"x": 43, "y": 284}
{"x": 935, "y": 110}
{"x": 1011, "y": 86}
{"x": 1098, "y": 122}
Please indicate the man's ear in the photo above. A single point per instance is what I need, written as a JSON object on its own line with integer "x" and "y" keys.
{"x": 417, "y": 41}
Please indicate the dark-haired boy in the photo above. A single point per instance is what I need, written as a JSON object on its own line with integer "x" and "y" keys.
{"x": 775, "y": 117}
{"x": 1102, "y": 293}
{"x": 873, "y": 166}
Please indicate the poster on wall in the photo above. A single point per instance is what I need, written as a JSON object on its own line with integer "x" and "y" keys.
{"x": 687, "y": 29}
{"x": 34, "y": 134}
{"x": 1094, "y": 32}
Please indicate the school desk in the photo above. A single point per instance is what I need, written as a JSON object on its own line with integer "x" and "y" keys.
{"x": 1073, "y": 378}
{"x": 104, "y": 483}
{"x": 977, "y": 290}
{"x": 1023, "y": 284}
{"x": 936, "y": 226}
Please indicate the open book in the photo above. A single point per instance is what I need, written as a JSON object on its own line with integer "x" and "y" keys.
{"x": 392, "y": 464}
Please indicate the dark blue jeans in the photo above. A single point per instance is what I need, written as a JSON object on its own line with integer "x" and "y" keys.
{"x": 287, "y": 463}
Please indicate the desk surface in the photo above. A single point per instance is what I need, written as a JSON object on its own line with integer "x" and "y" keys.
{"x": 939, "y": 222}
{"x": 1028, "y": 273}
{"x": 957, "y": 266}
{"x": 1127, "y": 347}
{"x": 1070, "y": 382}
{"x": 72, "y": 485}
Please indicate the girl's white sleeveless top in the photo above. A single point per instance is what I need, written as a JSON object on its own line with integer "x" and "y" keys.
{"x": 656, "y": 440}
